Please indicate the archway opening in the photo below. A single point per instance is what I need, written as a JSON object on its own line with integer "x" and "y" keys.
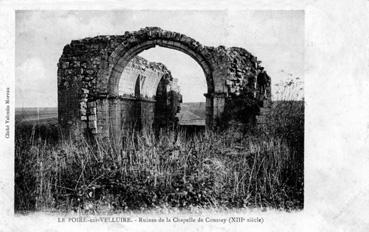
{"x": 167, "y": 89}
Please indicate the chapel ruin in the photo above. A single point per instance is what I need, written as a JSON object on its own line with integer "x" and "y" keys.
{"x": 104, "y": 88}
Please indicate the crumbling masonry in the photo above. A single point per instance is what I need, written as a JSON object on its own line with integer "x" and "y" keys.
{"x": 103, "y": 88}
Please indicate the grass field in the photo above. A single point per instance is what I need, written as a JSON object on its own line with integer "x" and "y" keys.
{"x": 228, "y": 169}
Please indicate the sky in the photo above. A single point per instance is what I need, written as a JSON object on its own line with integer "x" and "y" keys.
{"x": 275, "y": 37}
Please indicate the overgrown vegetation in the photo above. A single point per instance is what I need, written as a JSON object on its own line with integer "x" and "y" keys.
{"x": 232, "y": 169}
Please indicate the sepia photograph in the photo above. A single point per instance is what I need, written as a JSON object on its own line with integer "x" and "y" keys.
{"x": 130, "y": 115}
{"x": 158, "y": 110}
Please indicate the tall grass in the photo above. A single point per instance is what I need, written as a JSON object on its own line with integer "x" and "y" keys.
{"x": 286, "y": 121}
{"x": 231, "y": 169}
{"x": 143, "y": 170}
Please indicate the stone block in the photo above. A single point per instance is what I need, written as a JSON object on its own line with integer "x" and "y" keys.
{"x": 65, "y": 65}
{"x": 92, "y": 117}
{"x": 90, "y": 71}
{"x": 83, "y": 104}
{"x": 92, "y": 111}
{"x": 76, "y": 64}
{"x": 91, "y": 105}
{"x": 260, "y": 119}
{"x": 84, "y": 90}
{"x": 264, "y": 111}
{"x": 92, "y": 124}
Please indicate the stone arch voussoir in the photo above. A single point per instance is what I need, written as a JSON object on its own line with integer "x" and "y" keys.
{"x": 137, "y": 42}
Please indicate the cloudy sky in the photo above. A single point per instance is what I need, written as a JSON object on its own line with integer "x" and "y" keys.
{"x": 275, "y": 37}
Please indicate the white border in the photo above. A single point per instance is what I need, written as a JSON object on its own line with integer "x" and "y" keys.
{"x": 337, "y": 117}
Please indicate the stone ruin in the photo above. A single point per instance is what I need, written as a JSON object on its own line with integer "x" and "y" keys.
{"x": 104, "y": 88}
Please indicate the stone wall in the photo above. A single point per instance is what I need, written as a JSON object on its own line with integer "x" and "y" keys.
{"x": 168, "y": 100}
{"x": 90, "y": 70}
{"x": 149, "y": 75}
{"x": 128, "y": 113}
{"x": 134, "y": 107}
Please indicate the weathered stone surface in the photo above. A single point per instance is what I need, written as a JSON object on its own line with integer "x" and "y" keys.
{"x": 90, "y": 71}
